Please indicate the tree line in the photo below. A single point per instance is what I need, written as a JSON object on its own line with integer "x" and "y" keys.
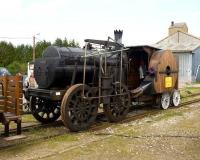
{"x": 15, "y": 58}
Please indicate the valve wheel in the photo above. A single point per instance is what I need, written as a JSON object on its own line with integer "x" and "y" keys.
{"x": 78, "y": 112}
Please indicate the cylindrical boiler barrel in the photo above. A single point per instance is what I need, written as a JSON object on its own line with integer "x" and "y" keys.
{"x": 57, "y": 66}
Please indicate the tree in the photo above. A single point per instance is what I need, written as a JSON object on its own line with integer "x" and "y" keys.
{"x": 58, "y": 42}
{"x": 7, "y": 53}
{"x": 15, "y": 58}
{"x": 23, "y": 53}
{"x": 72, "y": 43}
{"x": 40, "y": 47}
{"x": 65, "y": 43}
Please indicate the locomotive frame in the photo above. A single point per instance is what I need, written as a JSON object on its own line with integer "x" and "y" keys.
{"x": 78, "y": 103}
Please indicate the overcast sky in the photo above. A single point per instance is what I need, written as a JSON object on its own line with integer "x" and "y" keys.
{"x": 143, "y": 21}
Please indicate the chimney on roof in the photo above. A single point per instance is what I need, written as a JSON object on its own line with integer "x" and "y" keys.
{"x": 118, "y": 36}
{"x": 177, "y": 27}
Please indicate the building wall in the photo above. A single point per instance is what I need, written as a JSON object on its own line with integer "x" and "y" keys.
{"x": 185, "y": 67}
{"x": 195, "y": 63}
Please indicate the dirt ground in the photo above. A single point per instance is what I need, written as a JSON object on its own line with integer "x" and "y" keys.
{"x": 171, "y": 134}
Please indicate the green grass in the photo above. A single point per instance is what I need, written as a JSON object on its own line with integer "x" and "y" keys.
{"x": 189, "y": 90}
{"x": 65, "y": 138}
{"x": 166, "y": 114}
{"x": 28, "y": 118}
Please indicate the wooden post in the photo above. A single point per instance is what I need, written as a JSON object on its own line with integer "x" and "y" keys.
{"x": 19, "y": 126}
{"x": 33, "y": 48}
{"x": 5, "y": 83}
{"x": 6, "y": 128}
{"x": 17, "y": 94}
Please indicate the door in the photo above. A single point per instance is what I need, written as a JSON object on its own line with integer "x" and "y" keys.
{"x": 185, "y": 67}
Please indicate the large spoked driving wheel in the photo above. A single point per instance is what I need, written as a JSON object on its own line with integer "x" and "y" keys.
{"x": 176, "y": 98}
{"x": 43, "y": 110}
{"x": 78, "y": 112}
{"x": 119, "y": 105}
{"x": 163, "y": 100}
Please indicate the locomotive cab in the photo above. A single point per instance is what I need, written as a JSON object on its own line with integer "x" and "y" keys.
{"x": 138, "y": 62}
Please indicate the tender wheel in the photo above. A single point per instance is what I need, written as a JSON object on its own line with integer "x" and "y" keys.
{"x": 44, "y": 111}
{"x": 164, "y": 100}
{"x": 78, "y": 113}
{"x": 176, "y": 98}
{"x": 119, "y": 105}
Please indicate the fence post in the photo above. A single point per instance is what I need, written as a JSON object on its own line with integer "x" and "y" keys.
{"x": 5, "y": 92}
{"x": 17, "y": 94}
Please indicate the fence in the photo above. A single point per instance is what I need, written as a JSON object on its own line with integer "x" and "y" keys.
{"x": 11, "y": 101}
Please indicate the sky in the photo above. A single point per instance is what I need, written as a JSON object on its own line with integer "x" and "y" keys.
{"x": 142, "y": 21}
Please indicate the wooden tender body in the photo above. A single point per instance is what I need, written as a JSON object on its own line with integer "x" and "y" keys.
{"x": 159, "y": 79}
{"x": 164, "y": 64}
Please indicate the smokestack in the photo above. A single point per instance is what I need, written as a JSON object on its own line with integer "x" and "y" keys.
{"x": 118, "y": 36}
{"x": 172, "y": 23}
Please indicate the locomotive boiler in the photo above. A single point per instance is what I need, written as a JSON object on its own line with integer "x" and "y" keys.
{"x": 56, "y": 67}
{"x": 60, "y": 67}
{"x": 75, "y": 82}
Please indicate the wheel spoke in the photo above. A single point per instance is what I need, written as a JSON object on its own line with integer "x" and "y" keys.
{"x": 44, "y": 111}
{"x": 41, "y": 114}
{"x": 165, "y": 100}
{"x": 176, "y": 98}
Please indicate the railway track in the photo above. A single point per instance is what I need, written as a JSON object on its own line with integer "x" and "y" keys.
{"x": 26, "y": 127}
{"x": 147, "y": 112}
{"x": 100, "y": 124}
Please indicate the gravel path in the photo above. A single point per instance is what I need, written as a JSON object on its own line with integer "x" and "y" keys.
{"x": 172, "y": 134}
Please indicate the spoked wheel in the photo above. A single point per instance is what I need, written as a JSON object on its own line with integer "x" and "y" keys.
{"x": 43, "y": 110}
{"x": 164, "y": 100}
{"x": 78, "y": 112}
{"x": 176, "y": 98}
{"x": 119, "y": 105}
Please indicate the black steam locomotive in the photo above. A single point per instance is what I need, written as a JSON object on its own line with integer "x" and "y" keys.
{"x": 74, "y": 82}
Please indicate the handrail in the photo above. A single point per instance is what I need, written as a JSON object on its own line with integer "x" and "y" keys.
{"x": 100, "y": 54}
{"x": 103, "y": 53}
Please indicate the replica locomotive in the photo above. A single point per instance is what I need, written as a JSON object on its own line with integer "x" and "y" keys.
{"x": 75, "y": 82}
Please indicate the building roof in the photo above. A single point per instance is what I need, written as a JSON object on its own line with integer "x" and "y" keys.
{"x": 143, "y": 46}
{"x": 179, "y": 42}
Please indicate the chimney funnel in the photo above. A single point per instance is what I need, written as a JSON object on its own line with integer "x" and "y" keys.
{"x": 118, "y": 36}
{"x": 172, "y": 23}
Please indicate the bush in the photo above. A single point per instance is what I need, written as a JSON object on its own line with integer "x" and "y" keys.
{"x": 16, "y": 67}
